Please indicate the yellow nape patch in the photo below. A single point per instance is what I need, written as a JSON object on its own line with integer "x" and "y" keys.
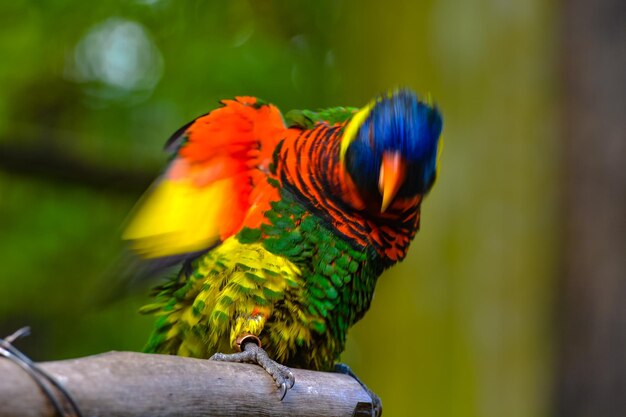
{"x": 352, "y": 128}
{"x": 439, "y": 149}
{"x": 178, "y": 217}
{"x": 429, "y": 99}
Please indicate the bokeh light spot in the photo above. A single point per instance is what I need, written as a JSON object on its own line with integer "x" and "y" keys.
{"x": 119, "y": 55}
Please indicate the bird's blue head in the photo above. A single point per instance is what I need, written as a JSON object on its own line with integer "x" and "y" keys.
{"x": 390, "y": 147}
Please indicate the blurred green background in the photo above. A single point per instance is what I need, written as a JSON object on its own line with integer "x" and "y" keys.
{"x": 89, "y": 92}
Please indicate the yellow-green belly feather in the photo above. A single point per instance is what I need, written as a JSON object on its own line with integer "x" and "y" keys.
{"x": 293, "y": 283}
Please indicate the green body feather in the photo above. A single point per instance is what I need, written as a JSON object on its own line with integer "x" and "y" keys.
{"x": 299, "y": 288}
{"x": 307, "y": 119}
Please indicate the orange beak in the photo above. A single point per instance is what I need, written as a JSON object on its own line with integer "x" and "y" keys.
{"x": 392, "y": 173}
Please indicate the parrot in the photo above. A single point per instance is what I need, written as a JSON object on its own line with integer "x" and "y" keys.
{"x": 281, "y": 225}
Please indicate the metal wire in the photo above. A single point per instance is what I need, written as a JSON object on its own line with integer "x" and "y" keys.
{"x": 42, "y": 378}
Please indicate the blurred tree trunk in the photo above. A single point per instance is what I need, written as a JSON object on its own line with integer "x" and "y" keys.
{"x": 592, "y": 354}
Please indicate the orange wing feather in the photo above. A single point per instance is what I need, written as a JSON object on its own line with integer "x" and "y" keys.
{"x": 217, "y": 181}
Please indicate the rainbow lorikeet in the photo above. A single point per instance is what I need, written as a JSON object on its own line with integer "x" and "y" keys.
{"x": 283, "y": 225}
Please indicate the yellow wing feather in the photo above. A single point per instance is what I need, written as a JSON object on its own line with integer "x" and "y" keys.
{"x": 178, "y": 217}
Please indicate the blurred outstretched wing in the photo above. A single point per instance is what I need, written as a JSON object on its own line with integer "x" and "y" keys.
{"x": 214, "y": 182}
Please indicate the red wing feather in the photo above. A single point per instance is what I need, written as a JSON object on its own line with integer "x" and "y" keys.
{"x": 206, "y": 193}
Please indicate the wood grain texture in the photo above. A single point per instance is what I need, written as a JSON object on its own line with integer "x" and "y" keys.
{"x": 136, "y": 384}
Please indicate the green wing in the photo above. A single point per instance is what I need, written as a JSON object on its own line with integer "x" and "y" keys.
{"x": 307, "y": 119}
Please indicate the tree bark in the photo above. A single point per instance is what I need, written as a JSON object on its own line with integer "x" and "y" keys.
{"x": 591, "y": 358}
{"x": 123, "y": 384}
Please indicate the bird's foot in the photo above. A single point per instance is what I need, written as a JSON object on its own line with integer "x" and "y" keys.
{"x": 251, "y": 352}
{"x": 377, "y": 404}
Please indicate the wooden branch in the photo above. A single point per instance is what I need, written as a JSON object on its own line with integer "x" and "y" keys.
{"x": 127, "y": 384}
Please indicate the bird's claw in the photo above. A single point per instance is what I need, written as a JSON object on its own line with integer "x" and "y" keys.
{"x": 284, "y": 379}
{"x": 282, "y": 375}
